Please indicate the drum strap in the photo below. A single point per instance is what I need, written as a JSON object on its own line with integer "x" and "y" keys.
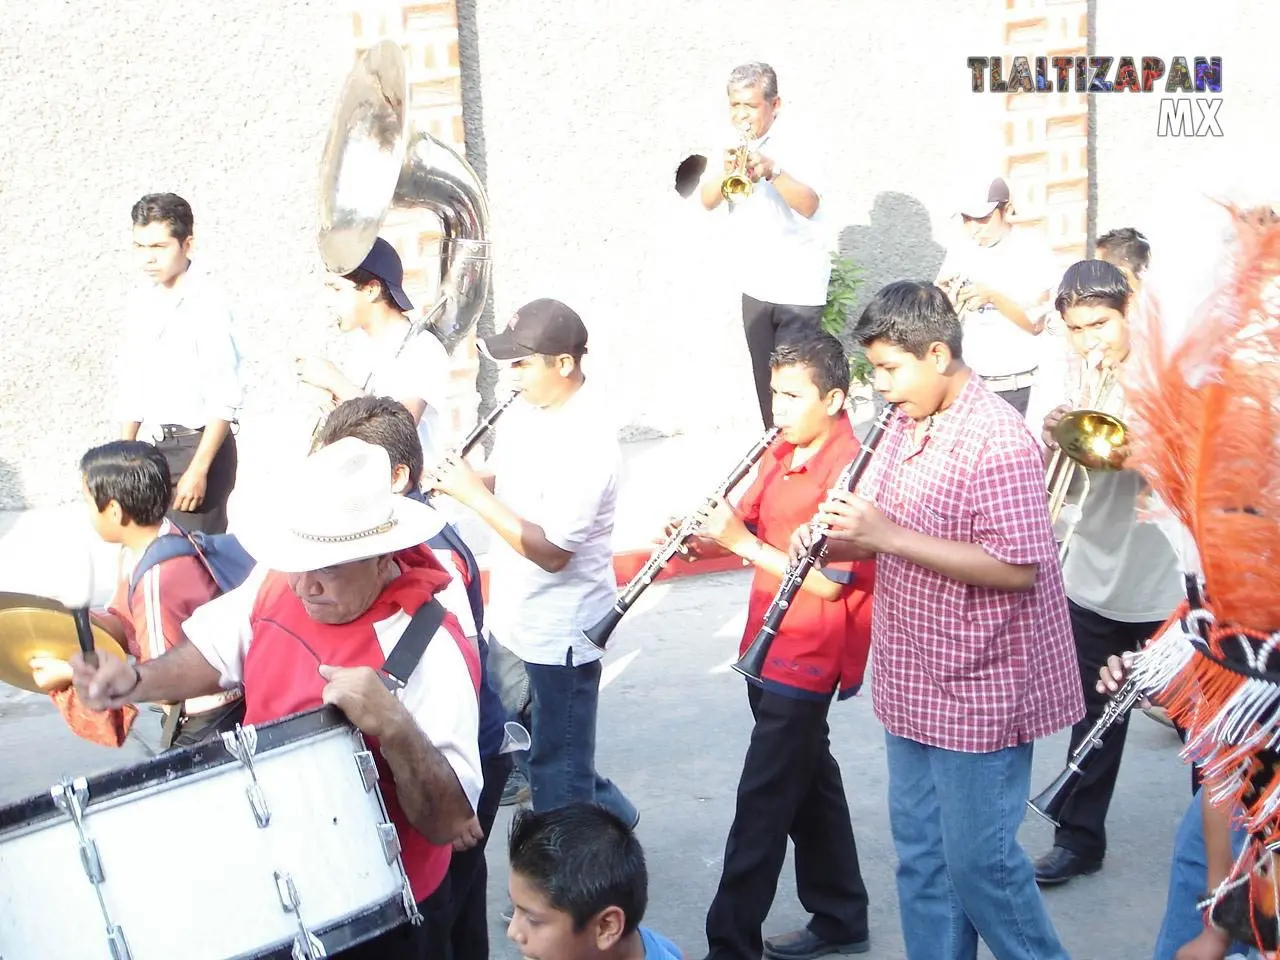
{"x": 408, "y": 651}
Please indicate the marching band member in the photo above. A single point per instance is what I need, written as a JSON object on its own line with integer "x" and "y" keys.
{"x": 785, "y": 263}
{"x": 371, "y": 302}
{"x": 790, "y": 783}
{"x": 1208, "y": 412}
{"x": 178, "y": 368}
{"x": 550, "y": 498}
{"x": 341, "y": 573}
{"x": 1129, "y": 252}
{"x": 1121, "y": 573}
{"x": 999, "y": 283}
{"x": 126, "y": 487}
{"x": 971, "y": 644}
{"x": 385, "y": 422}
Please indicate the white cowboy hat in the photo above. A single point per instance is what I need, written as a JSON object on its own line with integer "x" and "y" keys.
{"x": 337, "y": 508}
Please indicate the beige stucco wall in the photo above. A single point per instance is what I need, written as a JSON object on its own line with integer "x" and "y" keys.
{"x": 588, "y": 107}
{"x": 577, "y": 112}
{"x": 1163, "y": 185}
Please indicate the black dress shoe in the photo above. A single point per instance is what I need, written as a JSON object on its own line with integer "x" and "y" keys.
{"x": 806, "y": 945}
{"x": 1060, "y": 865}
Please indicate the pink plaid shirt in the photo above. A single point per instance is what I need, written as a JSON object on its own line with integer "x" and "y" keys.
{"x": 956, "y": 666}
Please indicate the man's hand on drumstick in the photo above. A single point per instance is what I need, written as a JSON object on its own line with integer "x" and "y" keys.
{"x": 106, "y": 686}
{"x": 365, "y": 700}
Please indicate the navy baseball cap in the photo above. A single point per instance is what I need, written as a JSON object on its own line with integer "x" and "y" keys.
{"x": 540, "y": 326}
{"x": 384, "y": 263}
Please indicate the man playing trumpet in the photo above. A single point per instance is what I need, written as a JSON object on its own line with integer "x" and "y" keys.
{"x": 784, "y": 261}
{"x": 1121, "y": 574}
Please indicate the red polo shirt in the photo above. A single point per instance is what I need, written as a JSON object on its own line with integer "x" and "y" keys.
{"x": 822, "y": 644}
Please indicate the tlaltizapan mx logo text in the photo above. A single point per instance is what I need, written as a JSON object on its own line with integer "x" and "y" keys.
{"x": 1184, "y": 115}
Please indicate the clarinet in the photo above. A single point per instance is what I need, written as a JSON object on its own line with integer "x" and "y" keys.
{"x": 1050, "y": 801}
{"x": 476, "y": 435}
{"x": 751, "y": 663}
{"x": 599, "y": 633}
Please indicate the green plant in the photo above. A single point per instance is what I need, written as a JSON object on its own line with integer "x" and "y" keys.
{"x": 842, "y": 292}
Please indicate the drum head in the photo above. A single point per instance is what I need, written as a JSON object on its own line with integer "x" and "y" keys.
{"x": 32, "y": 627}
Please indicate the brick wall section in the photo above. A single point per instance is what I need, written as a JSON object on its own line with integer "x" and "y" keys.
{"x": 428, "y": 34}
{"x": 1046, "y": 134}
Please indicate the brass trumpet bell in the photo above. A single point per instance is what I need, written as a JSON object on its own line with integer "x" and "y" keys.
{"x": 736, "y": 187}
{"x": 1092, "y": 439}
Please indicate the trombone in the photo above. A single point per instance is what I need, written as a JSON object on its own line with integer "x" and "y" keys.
{"x": 1086, "y": 438}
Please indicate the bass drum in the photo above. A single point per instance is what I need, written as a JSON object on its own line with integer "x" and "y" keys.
{"x": 272, "y": 841}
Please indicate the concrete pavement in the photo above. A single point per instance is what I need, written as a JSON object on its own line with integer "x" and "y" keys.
{"x": 673, "y": 729}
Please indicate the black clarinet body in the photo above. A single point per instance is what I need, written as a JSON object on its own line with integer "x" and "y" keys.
{"x": 751, "y": 663}
{"x": 599, "y": 632}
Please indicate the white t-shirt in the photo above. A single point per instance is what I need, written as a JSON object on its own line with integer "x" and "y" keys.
{"x": 557, "y": 468}
{"x": 1020, "y": 267}
{"x": 781, "y": 256}
{"x": 178, "y": 362}
{"x": 440, "y": 694}
{"x": 1119, "y": 565}
{"x": 421, "y": 370}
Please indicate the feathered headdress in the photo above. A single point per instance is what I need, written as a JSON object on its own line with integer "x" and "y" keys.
{"x": 1206, "y": 435}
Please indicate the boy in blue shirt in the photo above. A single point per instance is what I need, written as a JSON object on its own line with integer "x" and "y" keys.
{"x": 579, "y": 887}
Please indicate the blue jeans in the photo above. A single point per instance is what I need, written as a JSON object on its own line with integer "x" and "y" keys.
{"x": 961, "y": 873}
{"x": 1188, "y": 880}
{"x": 562, "y": 723}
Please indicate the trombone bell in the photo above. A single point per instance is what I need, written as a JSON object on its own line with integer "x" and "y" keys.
{"x": 1092, "y": 439}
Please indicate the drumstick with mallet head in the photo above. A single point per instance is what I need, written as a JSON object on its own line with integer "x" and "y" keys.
{"x": 76, "y": 596}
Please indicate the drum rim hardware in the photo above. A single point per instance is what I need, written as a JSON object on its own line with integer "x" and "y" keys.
{"x": 242, "y": 743}
{"x": 72, "y": 797}
{"x": 306, "y": 945}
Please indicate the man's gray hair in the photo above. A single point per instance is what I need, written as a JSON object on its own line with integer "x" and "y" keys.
{"x": 755, "y": 74}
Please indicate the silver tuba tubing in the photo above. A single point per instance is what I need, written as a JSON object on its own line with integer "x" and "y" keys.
{"x": 374, "y": 162}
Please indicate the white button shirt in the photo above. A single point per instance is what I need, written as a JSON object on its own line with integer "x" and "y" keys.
{"x": 178, "y": 362}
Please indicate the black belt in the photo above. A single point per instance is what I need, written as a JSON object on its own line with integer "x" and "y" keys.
{"x": 172, "y": 431}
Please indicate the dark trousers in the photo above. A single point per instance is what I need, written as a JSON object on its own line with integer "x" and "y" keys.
{"x": 469, "y": 874}
{"x": 211, "y": 515}
{"x": 1018, "y": 399}
{"x": 790, "y": 786}
{"x": 427, "y": 941}
{"x": 1083, "y": 821}
{"x": 767, "y": 325}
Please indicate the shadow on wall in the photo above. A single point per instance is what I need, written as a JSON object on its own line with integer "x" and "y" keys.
{"x": 898, "y": 244}
{"x": 12, "y": 494}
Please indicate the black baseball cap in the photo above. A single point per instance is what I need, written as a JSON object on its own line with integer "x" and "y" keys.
{"x": 384, "y": 263}
{"x": 541, "y": 326}
{"x": 977, "y": 207}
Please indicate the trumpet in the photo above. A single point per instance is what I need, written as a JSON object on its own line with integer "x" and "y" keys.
{"x": 737, "y": 185}
{"x": 599, "y": 633}
{"x": 751, "y": 663}
{"x": 1086, "y": 438}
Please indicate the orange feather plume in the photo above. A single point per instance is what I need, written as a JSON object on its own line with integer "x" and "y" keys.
{"x": 1205, "y": 426}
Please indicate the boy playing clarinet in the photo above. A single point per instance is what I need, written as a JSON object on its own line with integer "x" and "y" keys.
{"x": 790, "y": 782}
{"x": 972, "y": 652}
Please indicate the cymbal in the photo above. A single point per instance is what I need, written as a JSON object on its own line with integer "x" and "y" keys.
{"x": 32, "y": 627}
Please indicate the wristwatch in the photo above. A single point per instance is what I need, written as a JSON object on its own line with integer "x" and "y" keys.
{"x": 774, "y": 175}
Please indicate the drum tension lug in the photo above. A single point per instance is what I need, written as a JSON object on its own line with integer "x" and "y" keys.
{"x": 390, "y": 841}
{"x": 305, "y": 945}
{"x": 242, "y": 743}
{"x": 72, "y": 796}
{"x": 368, "y": 769}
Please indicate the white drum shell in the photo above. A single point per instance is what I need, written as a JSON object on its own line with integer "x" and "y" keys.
{"x": 189, "y": 873}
